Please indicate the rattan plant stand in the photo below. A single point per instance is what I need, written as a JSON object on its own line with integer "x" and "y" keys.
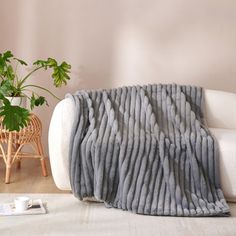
{"x": 12, "y": 142}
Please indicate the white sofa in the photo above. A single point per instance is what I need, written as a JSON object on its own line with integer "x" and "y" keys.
{"x": 220, "y": 112}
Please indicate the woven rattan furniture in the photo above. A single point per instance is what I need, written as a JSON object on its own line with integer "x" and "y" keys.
{"x": 11, "y": 144}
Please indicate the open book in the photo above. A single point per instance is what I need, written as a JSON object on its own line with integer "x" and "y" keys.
{"x": 8, "y": 209}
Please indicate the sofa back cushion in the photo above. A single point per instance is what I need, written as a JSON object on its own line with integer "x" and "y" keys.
{"x": 220, "y": 109}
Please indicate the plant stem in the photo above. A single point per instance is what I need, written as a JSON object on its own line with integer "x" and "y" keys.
{"x": 26, "y": 96}
{"x": 27, "y": 76}
{"x": 17, "y": 78}
{"x": 36, "y": 86}
{"x": 31, "y": 91}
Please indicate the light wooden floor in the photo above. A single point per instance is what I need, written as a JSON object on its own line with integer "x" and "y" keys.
{"x": 28, "y": 179}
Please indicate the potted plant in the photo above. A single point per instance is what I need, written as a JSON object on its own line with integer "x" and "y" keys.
{"x": 12, "y": 86}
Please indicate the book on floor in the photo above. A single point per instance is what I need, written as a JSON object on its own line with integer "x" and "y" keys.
{"x": 8, "y": 209}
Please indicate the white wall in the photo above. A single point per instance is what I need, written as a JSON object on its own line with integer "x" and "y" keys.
{"x": 111, "y": 43}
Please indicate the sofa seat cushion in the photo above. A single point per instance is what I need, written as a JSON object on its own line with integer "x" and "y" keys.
{"x": 227, "y": 148}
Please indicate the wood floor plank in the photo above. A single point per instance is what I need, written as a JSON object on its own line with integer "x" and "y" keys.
{"x": 28, "y": 179}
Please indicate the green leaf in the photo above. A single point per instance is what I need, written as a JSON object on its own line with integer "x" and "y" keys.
{"x": 60, "y": 74}
{"x": 7, "y": 55}
{"x": 21, "y": 61}
{"x": 4, "y": 58}
{"x": 6, "y": 88}
{"x": 14, "y": 117}
{"x": 10, "y": 73}
{"x": 5, "y": 101}
{"x": 41, "y": 63}
{"x": 2, "y": 65}
{"x": 66, "y": 67}
{"x": 37, "y": 101}
{"x": 51, "y": 62}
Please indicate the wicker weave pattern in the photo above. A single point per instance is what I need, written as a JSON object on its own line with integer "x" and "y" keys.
{"x": 12, "y": 142}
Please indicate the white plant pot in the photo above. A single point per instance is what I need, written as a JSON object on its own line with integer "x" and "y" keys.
{"x": 17, "y": 101}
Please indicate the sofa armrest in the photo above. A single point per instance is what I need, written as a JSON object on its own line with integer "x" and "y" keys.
{"x": 58, "y": 140}
{"x": 227, "y": 157}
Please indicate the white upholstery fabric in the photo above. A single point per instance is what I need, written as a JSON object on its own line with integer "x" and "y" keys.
{"x": 220, "y": 109}
{"x": 227, "y": 147}
{"x": 223, "y": 121}
{"x": 58, "y": 140}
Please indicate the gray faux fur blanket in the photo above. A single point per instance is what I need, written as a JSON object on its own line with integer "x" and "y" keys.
{"x": 146, "y": 149}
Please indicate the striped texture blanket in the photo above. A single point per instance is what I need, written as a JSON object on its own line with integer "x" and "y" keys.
{"x": 146, "y": 149}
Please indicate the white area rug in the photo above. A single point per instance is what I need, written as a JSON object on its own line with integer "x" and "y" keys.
{"x": 67, "y": 216}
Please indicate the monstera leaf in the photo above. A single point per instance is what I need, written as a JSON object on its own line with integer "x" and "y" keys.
{"x": 60, "y": 72}
{"x": 9, "y": 73}
{"x": 7, "y": 88}
{"x": 14, "y": 117}
{"x": 37, "y": 101}
{"x": 20, "y": 61}
{"x": 41, "y": 63}
{"x": 7, "y": 55}
{"x": 14, "y": 85}
{"x": 6, "y": 70}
